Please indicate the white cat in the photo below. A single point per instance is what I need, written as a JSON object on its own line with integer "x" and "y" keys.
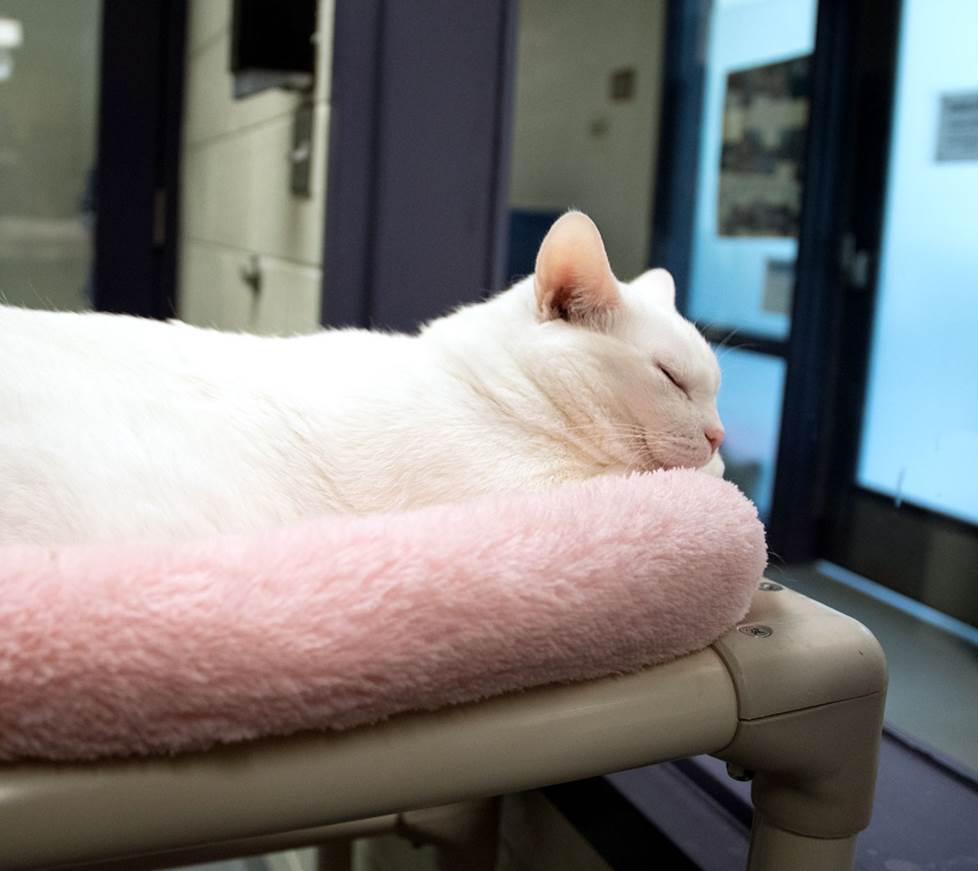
{"x": 114, "y": 427}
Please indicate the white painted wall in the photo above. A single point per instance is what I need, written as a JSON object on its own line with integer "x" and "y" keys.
{"x": 566, "y": 53}
{"x": 236, "y": 200}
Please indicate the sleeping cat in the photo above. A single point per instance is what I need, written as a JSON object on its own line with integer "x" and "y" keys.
{"x": 113, "y": 427}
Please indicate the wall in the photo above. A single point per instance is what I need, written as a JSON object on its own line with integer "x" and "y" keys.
{"x": 48, "y": 127}
{"x": 572, "y": 144}
{"x": 236, "y": 201}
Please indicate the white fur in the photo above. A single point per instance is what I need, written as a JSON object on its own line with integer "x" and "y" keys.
{"x": 114, "y": 426}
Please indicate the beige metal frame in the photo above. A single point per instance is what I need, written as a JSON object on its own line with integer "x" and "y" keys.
{"x": 793, "y": 697}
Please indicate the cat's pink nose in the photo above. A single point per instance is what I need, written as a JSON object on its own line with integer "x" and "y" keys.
{"x": 714, "y": 435}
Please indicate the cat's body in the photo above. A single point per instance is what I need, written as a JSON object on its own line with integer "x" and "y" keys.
{"x": 114, "y": 427}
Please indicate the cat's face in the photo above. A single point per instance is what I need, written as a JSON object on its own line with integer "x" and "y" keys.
{"x": 634, "y": 377}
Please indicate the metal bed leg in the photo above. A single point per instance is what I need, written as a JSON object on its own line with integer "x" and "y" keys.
{"x": 814, "y": 772}
{"x": 772, "y": 848}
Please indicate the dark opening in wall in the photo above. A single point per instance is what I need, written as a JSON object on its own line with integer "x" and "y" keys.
{"x": 273, "y": 45}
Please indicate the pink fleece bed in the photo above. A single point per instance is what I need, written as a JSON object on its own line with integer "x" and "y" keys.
{"x": 344, "y": 620}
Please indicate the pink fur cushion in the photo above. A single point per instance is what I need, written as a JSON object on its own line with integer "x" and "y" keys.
{"x": 346, "y": 620}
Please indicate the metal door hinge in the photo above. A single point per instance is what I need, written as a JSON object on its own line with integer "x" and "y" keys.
{"x": 159, "y": 218}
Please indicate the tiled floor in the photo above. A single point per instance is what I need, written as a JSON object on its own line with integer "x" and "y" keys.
{"x": 293, "y": 860}
{"x": 255, "y": 863}
{"x": 933, "y": 691}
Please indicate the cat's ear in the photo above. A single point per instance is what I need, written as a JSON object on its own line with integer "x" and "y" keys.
{"x": 659, "y": 283}
{"x": 573, "y": 279}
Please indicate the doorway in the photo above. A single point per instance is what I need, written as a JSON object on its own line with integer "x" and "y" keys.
{"x": 49, "y": 82}
{"x": 90, "y": 109}
{"x": 730, "y": 228}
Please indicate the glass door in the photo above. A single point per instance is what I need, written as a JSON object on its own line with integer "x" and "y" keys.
{"x": 49, "y": 76}
{"x": 744, "y": 229}
{"x": 841, "y": 288}
{"x": 909, "y": 519}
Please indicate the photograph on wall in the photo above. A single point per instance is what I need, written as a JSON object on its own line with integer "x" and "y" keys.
{"x": 765, "y": 119}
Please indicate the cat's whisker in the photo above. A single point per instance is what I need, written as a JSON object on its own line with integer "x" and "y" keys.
{"x": 607, "y": 429}
{"x": 743, "y": 346}
{"x": 722, "y": 351}
{"x": 725, "y": 341}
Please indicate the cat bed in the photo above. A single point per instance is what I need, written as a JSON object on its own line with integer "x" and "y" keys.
{"x": 143, "y": 649}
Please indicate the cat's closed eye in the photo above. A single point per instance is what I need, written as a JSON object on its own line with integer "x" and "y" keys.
{"x": 675, "y": 381}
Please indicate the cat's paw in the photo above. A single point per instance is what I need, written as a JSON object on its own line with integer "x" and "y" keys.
{"x": 715, "y": 466}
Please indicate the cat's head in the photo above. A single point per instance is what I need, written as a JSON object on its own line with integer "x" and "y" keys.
{"x": 633, "y": 376}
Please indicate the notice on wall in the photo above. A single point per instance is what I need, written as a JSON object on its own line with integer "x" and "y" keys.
{"x": 957, "y": 131}
{"x": 765, "y": 119}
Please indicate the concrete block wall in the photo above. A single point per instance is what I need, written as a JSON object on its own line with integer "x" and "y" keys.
{"x": 236, "y": 199}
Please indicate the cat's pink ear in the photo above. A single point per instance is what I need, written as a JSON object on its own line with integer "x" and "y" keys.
{"x": 573, "y": 279}
{"x": 659, "y": 283}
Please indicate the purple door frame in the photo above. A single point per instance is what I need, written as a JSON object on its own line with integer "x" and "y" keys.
{"x": 418, "y": 158}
